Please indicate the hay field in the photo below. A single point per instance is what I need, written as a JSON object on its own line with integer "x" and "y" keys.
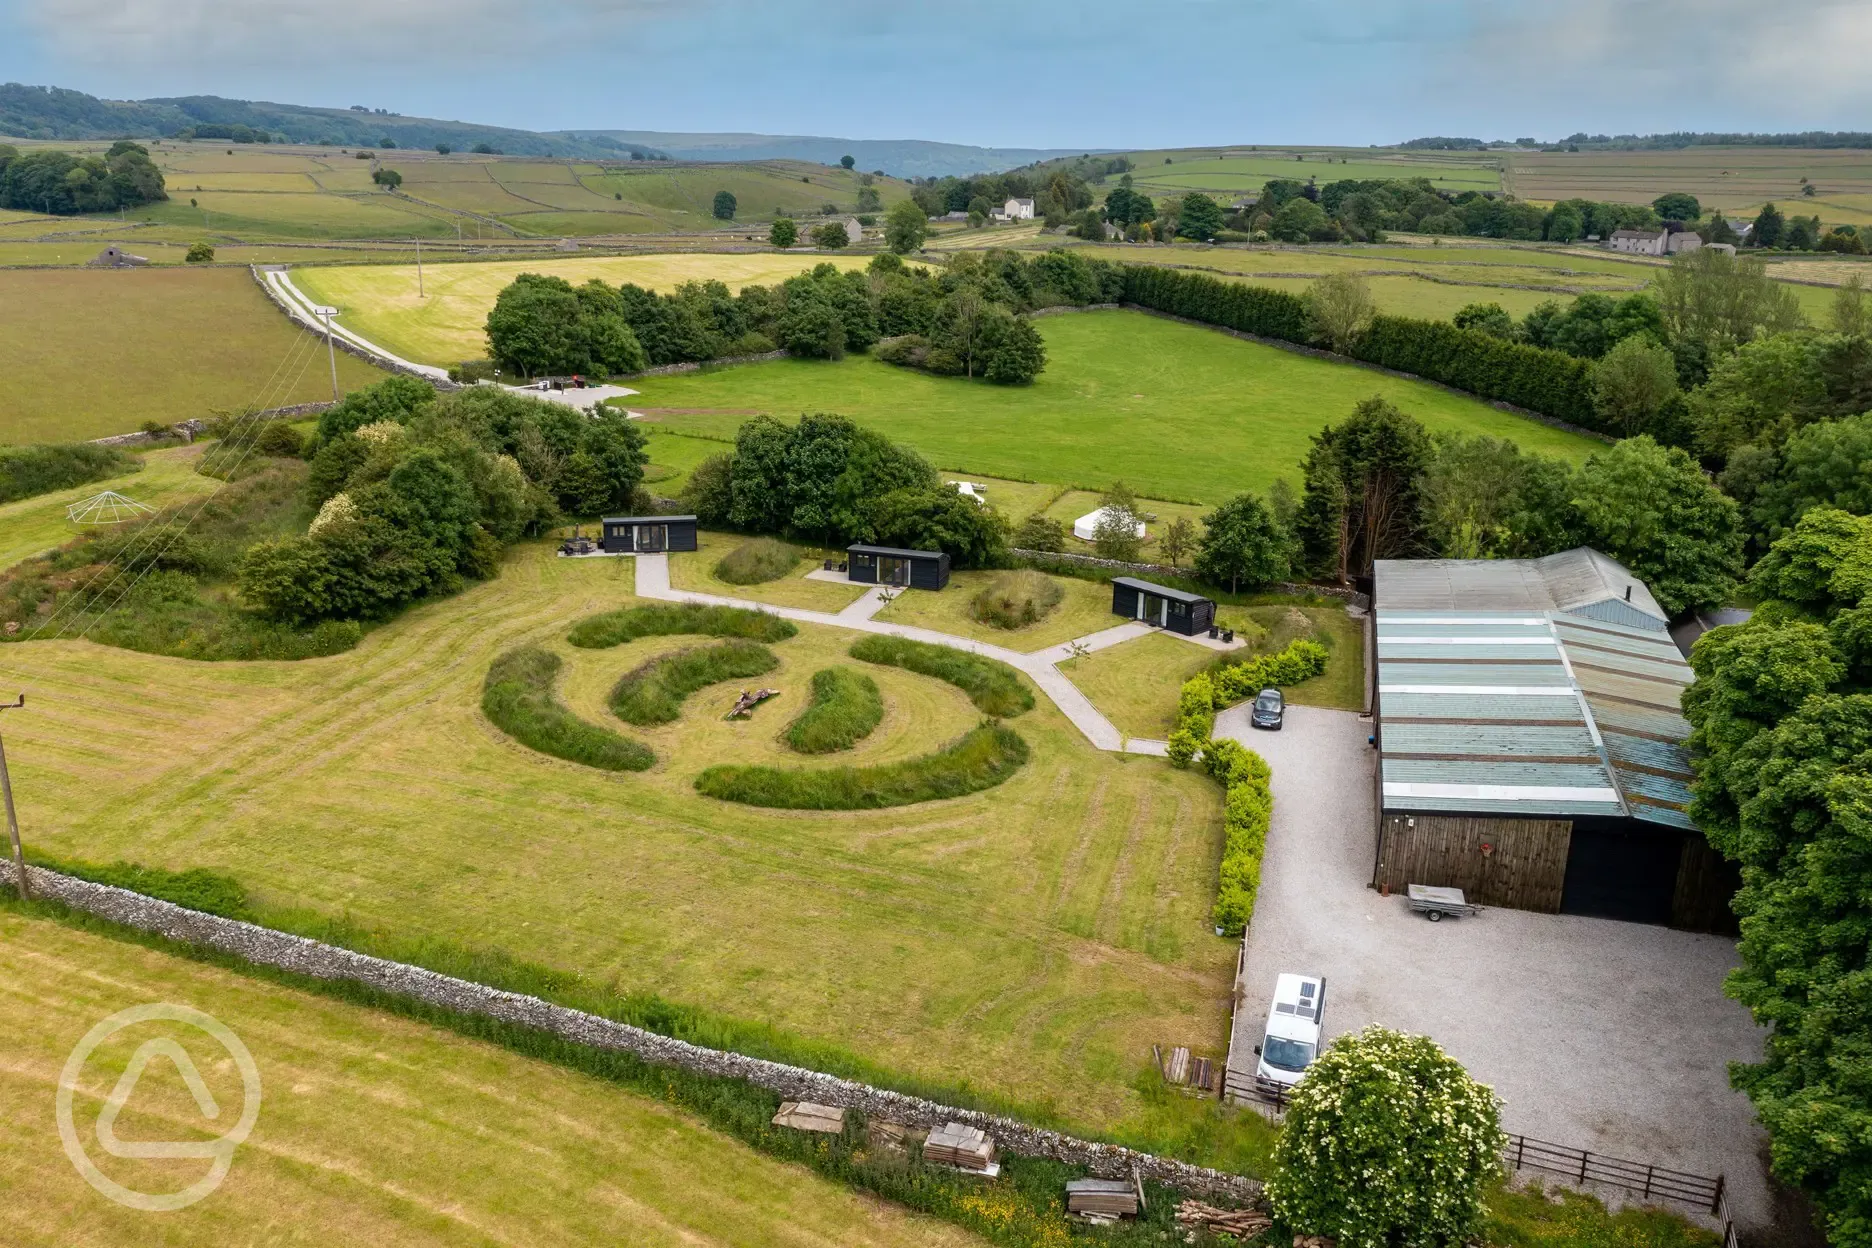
{"x": 447, "y": 326}
{"x": 1237, "y": 171}
{"x": 1034, "y": 940}
{"x": 373, "y": 1129}
{"x": 1737, "y": 180}
{"x": 91, "y": 352}
{"x": 32, "y": 526}
{"x": 1175, "y": 410}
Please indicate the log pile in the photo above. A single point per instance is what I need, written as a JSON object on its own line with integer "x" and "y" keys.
{"x": 1194, "y": 1216}
{"x": 964, "y": 1147}
{"x": 749, "y": 699}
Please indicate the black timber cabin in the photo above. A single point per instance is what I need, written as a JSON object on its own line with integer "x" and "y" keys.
{"x": 645, "y": 535}
{"x": 887, "y": 565}
{"x": 1172, "y": 609}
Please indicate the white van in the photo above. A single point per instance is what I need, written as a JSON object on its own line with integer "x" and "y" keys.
{"x": 1292, "y": 1040}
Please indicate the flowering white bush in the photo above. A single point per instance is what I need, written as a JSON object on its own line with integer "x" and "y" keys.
{"x": 381, "y": 432}
{"x": 1387, "y": 1144}
{"x": 338, "y": 509}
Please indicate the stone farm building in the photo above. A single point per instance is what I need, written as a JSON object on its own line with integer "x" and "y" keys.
{"x": 1018, "y": 210}
{"x": 1654, "y": 242}
{"x": 1531, "y": 742}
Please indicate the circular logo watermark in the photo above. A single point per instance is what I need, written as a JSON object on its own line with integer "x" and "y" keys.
{"x": 218, "y": 1152}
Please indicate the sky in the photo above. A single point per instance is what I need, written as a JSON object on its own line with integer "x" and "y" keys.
{"x": 1016, "y": 73}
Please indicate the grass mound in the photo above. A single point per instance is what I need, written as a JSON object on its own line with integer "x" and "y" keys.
{"x": 518, "y": 698}
{"x": 757, "y": 561}
{"x": 845, "y": 707}
{"x": 1016, "y": 599}
{"x": 979, "y": 759}
{"x": 26, "y": 471}
{"x": 598, "y": 632}
{"x": 654, "y": 693}
{"x": 995, "y": 688}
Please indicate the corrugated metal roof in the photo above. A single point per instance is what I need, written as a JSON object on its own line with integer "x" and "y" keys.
{"x": 1580, "y": 581}
{"x": 1512, "y": 713}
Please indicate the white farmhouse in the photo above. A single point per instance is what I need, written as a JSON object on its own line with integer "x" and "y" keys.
{"x": 1018, "y": 210}
{"x": 1639, "y": 242}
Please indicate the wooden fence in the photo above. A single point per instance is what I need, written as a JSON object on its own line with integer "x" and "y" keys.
{"x": 1648, "y": 1182}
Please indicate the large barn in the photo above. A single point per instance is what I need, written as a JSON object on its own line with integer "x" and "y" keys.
{"x": 1531, "y": 742}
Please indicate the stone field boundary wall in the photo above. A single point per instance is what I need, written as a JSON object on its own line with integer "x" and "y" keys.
{"x": 300, "y": 955}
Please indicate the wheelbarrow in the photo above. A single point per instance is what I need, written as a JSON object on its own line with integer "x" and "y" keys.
{"x": 1436, "y": 903}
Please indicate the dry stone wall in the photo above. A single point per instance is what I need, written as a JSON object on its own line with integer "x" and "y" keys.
{"x": 309, "y": 957}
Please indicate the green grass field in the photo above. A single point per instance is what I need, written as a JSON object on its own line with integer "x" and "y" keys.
{"x": 1084, "y": 608}
{"x": 35, "y": 525}
{"x": 102, "y": 351}
{"x": 1172, "y": 409}
{"x": 1031, "y": 942}
{"x": 1235, "y": 171}
{"x": 372, "y": 1129}
{"x": 445, "y": 325}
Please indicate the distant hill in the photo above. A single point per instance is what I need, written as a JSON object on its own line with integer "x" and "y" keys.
{"x": 901, "y": 158}
{"x": 57, "y": 113}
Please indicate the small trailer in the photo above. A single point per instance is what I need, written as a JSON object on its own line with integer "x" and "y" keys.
{"x": 1435, "y": 903}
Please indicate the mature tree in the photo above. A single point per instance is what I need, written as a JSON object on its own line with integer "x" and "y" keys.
{"x": 199, "y": 253}
{"x": 1298, "y": 220}
{"x": 1388, "y": 1143}
{"x": 710, "y": 491}
{"x": 783, "y": 233}
{"x": 1593, "y": 324}
{"x": 1042, "y": 533}
{"x": 1782, "y": 743}
{"x": 388, "y": 178}
{"x": 1850, "y": 314}
{"x": 1632, "y": 384}
{"x": 905, "y": 227}
{"x": 1010, "y": 348}
{"x": 938, "y": 518}
{"x": 1242, "y": 545}
{"x": 1715, "y": 302}
{"x": 1651, "y": 508}
{"x": 848, "y": 161}
{"x": 1363, "y": 498}
{"x": 443, "y": 149}
{"x": 1178, "y": 540}
{"x": 1824, "y": 464}
{"x": 1340, "y": 308}
{"x": 1126, "y": 208}
{"x": 1720, "y": 231}
{"x": 724, "y": 207}
{"x": 1200, "y": 217}
{"x": 1760, "y": 393}
{"x": 761, "y": 500}
{"x": 1115, "y": 536}
{"x": 541, "y": 325}
{"x": 1485, "y": 498}
{"x": 1677, "y": 206}
{"x": 1488, "y": 318}
{"x": 1564, "y": 223}
{"x": 831, "y": 235}
{"x": 868, "y": 198}
{"x": 1770, "y": 225}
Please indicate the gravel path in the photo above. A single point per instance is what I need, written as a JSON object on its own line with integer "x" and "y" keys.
{"x": 1607, "y": 1036}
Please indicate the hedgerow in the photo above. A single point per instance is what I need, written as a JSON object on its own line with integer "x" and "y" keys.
{"x": 654, "y": 692}
{"x": 993, "y": 687}
{"x": 845, "y": 707}
{"x": 1248, "y": 802}
{"x": 29, "y": 470}
{"x": 518, "y": 698}
{"x": 1550, "y": 382}
{"x": 979, "y": 759}
{"x": 599, "y": 632}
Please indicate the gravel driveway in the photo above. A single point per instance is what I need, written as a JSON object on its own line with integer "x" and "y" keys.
{"x": 1607, "y": 1036}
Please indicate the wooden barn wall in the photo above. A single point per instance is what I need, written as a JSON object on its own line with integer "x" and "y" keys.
{"x": 1706, "y": 881}
{"x": 1525, "y": 870}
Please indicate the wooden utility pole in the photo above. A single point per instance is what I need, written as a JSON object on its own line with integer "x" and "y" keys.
{"x": 6, "y": 791}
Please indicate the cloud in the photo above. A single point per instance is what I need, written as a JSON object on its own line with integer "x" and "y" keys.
{"x": 1683, "y": 57}
{"x": 297, "y": 32}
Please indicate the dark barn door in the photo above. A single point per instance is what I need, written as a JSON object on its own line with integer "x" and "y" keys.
{"x": 1616, "y": 874}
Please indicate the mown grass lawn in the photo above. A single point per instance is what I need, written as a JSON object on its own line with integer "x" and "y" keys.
{"x": 373, "y": 1129}
{"x": 1084, "y": 608}
{"x": 1175, "y": 410}
{"x": 91, "y": 352}
{"x": 33, "y": 526}
{"x": 695, "y": 570}
{"x": 1032, "y": 941}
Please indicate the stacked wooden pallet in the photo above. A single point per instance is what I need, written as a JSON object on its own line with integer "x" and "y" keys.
{"x": 1100, "y": 1199}
{"x": 806, "y": 1116}
{"x": 1197, "y": 1074}
{"x": 1243, "y": 1224}
{"x": 964, "y": 1147}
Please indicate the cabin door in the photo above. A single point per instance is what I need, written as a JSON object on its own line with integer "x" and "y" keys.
{"x": 891, "y": 571}
{"x": 652, "y": 537}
